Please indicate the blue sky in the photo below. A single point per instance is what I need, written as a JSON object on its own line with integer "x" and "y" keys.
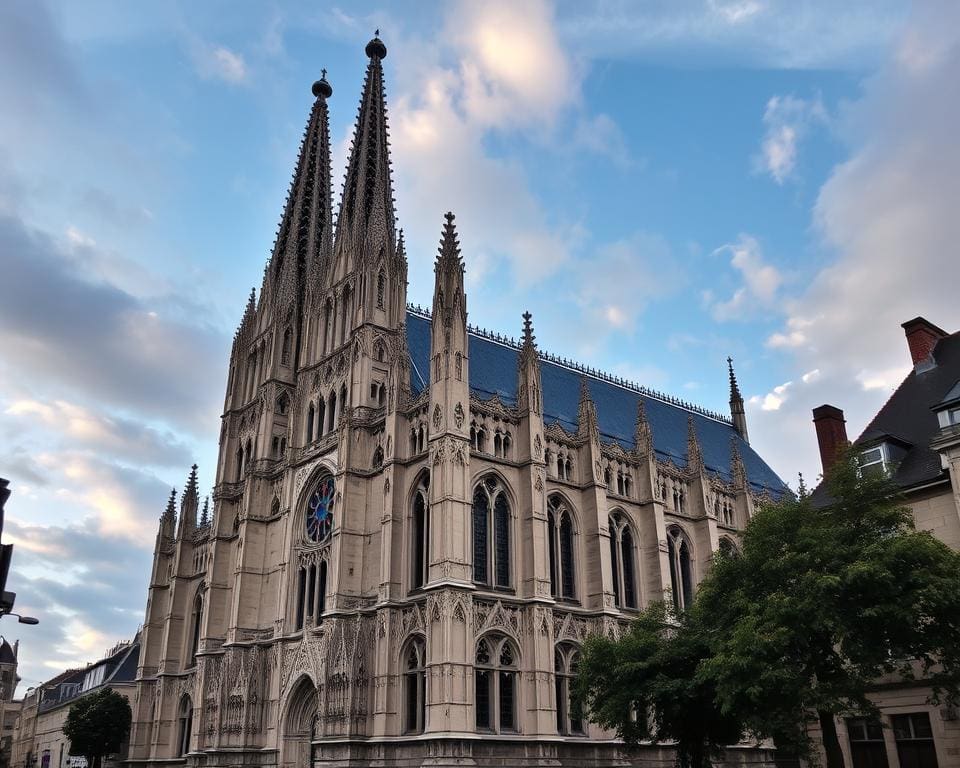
{"x": 661, "y": 183}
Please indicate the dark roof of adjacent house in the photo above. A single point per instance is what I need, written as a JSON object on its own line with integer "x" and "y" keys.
{"x": 909, "y": 417}
{"x": 121, "y": 663}
{"x": 493, "y": 373}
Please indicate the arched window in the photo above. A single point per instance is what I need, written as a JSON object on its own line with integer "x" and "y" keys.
{"x": 283, "y": 402}
{"x": 196, "y": 619}
{"x": 420, "y": 535}
{"x": 491, "y": 523}
{"x": 381, "y": 286}
{"x": 248, "y": 454}
{"x": 311, "y": 594}
{"x": 311, "y": 415}
{"x": 606, "y": 476}
{"x": 414, "y": 686}
{"x": 622, "y": 562}
{"x": 681, "y": 570}
{"x": 347, "y": 306}
{"x": 728, "y": 547}
{"x": 184, "y": 726}
{"x": 506, "y": 445}
{"x": 566, "y": 658}
{"x": 560, "y": 533}
{"x": 497, "y": 444}
{"x": 495, "y": 684}
{"x": 343, "y": 403}
{"x": 377, "y": 457}
{"x": 301, "y": 596}
{"x": 568, "y": 469}
{"x": 331, "y": 411}
{"x": 239, "y": 464}
{"x": 318, "y": 522}
{"x": 328, "y": 325}
{"x": 285, "y": 349}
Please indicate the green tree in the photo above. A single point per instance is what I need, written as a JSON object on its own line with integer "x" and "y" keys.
{"x": 645, "y": 686}
{"x": 97, "y": 725}
{"x": 825, "y": 599}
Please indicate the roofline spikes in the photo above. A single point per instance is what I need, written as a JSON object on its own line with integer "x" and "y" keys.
{"x": 573, "y": 365}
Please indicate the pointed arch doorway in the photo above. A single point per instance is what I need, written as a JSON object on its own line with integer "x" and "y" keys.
{"x": 300, "y": 725}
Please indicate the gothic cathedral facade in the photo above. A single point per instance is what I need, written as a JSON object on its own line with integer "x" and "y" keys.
{"x": 415, "y": 523}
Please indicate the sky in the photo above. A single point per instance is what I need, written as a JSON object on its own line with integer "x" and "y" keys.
{"x": 662, "y": 184}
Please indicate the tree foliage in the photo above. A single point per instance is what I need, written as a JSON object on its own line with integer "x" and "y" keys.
{"x": 823, "y": 600}
{"x": 97, "y": 725}
{"x": 826, "y": 598}
{"x": 645, "y": 686}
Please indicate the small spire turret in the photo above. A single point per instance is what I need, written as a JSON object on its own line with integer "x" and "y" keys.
{"x": 642, "y": 434}
{"x": 738, "y": 472}
{"x": 587, "y": 424}
{"x": 737, "y": 412}
{"x": 205, "y": 513}
{"x": 529, "y": 388}
{"x": 189, "y": 502}
{"x": 694, "y": 453}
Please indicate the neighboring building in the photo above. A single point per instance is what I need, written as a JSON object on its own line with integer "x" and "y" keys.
{"x": 39, "y": 741}
{"x": 915, "y": 437}
{"x": 416, "y": 523}
{"x": 9, "y": 708}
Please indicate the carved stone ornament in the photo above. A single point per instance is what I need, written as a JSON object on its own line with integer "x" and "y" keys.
{"x": 437, "y": 417}
{"x": 538, "y": 484}
{"x": 537, "y": 447}
{"x": 458, "y": 415}
{"x": 438, "y": 454}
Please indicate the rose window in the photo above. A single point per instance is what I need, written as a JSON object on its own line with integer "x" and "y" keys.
{"x": 319, "y": 521}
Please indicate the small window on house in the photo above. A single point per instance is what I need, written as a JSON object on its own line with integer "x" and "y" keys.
{"x": 914, "y": 738}
{"x": 867, "y": 749}
{"x": 873, "y": 461}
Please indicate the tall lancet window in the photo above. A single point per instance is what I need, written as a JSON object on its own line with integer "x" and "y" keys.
{"x": 184, "y": 725}
{"x": 420, "y": 534}
{"x": 311, "y": 415}
{"x": 381, "y": 288}
{"x": 561, "y": 547}
{"x": 566, "y": 658}
{"x": 491, "y": 525}
{"x": 196, "y": 619}
{"x": 622, "y": 561}
{"x": 495, "y": 684}
{"x": 287, "y": 344}
{"x": 415, "y": 686}
{"x": 328, "y": 325}
{"x": 681, "y": 568}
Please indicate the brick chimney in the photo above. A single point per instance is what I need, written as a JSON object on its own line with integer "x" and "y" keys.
{"x": 922, "y": 337}
{"x": 831, "y": 434}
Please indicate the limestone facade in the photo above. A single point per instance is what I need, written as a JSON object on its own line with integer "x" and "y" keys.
{"x": 402, "y": 557}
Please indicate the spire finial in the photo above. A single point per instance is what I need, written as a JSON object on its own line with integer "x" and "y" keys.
{"x": 375, "y": 48}
{"x": 642, "y": 435}
{"x": 321, "y": 87}
{"x": 694, "y": 454}
{"x": 171, "y": 510}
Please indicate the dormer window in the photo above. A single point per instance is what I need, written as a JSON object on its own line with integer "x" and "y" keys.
{"x": 949, "y": 417}
{"x": 873, "y": 460}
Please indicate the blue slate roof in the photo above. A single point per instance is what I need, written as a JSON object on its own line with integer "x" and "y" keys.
{"x": 493, "y": 371}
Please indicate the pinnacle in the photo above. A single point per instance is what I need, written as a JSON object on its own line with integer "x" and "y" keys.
{"x": 528, "y": 337}
{"x": 449, "y": 250}
{"x": 734, "y": 387}
{"x": 171, "y": 509}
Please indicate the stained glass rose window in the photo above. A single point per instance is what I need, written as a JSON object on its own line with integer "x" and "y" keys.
{"x": 319, "y": 521}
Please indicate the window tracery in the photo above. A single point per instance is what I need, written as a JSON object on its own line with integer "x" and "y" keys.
{"x": 495, "y": 684}
{"x": 414, "y": 686}
{"x": 184, "y": 725}
{"x": 566, "y": 659}
{"x": 622, "y": 561}
{"x": 420, "y": 534}
{"x": 681, "y": 568}
{"x": 560, "y": 541}
{"x": 491, "y": 525}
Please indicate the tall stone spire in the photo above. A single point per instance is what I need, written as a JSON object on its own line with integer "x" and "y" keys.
{"x": 737, "y": 412}
{"x": 366, "y": 221}
{"x": 448, "y": 342}
{"x": 529, "y": 387}
{"x": 305, "y": 238}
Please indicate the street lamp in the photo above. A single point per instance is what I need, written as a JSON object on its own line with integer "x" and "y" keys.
{"x": 24, "y": 619}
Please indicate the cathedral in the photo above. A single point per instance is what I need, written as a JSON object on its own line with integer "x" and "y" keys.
{"x": 415, "y": 523}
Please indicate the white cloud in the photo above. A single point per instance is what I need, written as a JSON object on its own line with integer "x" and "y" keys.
{"x": 811, "y": 376}
{"x": 773, "y": 399}
{"x": 217, "y": 62}
{"x": 786, "y": 122}
{"x": 736, "y": 11}
{"x": 761, "y": 280}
